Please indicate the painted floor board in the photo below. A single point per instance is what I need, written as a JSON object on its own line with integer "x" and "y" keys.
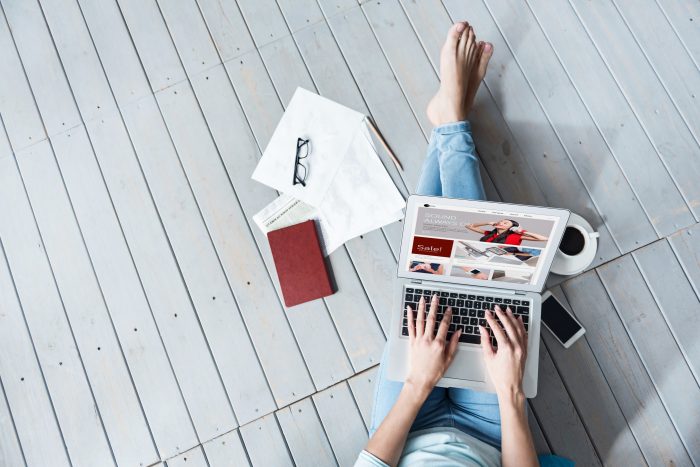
{"x": 226, "y": 451}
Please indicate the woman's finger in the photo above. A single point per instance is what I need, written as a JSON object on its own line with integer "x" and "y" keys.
{"x": 521, "y": 328}
{"x": 486, "y": 342}
{"x": 420, "y": 319}
{"x": 430, "y": 324}
{"x": 411, "y": 325}
{"x": 501, "y": 337}
{"x": 506, "y": 317}
{"x": 444, "y": 325}
{"x": 452, "y": 348}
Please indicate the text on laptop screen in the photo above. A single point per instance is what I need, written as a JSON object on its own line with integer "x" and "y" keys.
{"x": 481, "y": 244}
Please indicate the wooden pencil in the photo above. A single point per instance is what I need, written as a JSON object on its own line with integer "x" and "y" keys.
{"x": 384, "y": 143}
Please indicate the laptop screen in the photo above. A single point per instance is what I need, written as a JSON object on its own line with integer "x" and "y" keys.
{"x": 489, "y": 243}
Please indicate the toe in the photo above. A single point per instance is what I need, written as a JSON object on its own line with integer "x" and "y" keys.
{"x": 486, "y": 52}
{"x": 453, "y": 35}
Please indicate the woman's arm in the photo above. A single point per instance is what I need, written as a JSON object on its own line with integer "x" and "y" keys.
{"x": 429, "y": 359}
{"x": 506, "y": 366}
{"x": 475, "y": 227}
{"x": 534, "y": 236}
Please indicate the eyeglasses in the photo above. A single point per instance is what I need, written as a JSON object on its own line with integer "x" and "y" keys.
{"x": 300, "y": 170}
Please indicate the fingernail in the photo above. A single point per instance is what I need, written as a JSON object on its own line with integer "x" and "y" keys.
{"x": 460, "y": 26}
{"x": 487, "y": 46}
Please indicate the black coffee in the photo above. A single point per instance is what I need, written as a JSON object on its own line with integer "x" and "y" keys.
{"x": 573, "y": 241}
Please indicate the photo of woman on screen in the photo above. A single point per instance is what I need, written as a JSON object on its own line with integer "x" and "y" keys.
{"x": 505, "y": 231}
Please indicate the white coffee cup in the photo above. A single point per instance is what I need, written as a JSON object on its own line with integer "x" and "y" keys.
{"x": 578, "y": 247}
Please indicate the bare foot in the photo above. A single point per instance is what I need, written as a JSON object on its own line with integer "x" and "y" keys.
{"x": 463, "y": 64}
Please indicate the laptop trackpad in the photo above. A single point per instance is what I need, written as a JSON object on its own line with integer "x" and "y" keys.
{"x": 470, "y": 367}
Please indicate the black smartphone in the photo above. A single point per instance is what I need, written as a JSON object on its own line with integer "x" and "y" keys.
{"x": 560, "y": 321}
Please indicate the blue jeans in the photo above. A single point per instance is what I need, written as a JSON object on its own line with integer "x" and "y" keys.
{"x": 451, "y": 169}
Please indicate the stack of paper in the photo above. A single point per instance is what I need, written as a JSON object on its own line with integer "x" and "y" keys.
{"x": 348, "y": 190}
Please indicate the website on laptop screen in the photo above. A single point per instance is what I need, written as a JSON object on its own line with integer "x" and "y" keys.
{"x": 482, "y": 244}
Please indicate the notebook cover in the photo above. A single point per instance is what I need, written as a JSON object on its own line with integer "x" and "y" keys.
{"x": 300, "y": 265}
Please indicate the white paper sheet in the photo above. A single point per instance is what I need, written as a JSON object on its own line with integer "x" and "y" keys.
{"x": 347, "y": 184}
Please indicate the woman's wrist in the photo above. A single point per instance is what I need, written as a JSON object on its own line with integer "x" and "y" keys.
{"x": 513, "y": 398}
{"x": 418, "y": 391}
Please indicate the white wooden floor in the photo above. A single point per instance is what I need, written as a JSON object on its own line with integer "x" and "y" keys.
{"x": 140, "y": 322}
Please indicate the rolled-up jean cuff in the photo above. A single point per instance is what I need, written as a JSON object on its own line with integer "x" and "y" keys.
{"x": 454, "y": 127}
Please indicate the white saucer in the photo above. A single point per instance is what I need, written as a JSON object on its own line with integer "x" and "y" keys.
{"x": 566, "y": 265}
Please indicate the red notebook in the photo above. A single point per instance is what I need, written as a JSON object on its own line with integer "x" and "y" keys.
{"x": 301, "y": 268}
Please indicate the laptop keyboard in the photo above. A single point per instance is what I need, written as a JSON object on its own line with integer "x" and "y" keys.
{"x": 468, "y": 310}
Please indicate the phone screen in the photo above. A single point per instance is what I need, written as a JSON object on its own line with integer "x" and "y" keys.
{"x": 558, "y": 319}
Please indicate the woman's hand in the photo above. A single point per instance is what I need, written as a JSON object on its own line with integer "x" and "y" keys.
{"x": 430, "y": 356}
{"x": 507, "y": 364}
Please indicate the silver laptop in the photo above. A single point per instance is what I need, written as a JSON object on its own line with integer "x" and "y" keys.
{"x": 474, "y": 255}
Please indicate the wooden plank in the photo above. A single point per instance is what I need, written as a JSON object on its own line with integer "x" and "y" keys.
{"x": 299, "y": 14}
{"x": 558, "y": 417}
{"x": 111, "y": 38}
{"x": 363, "y": 387}
{"x": 25, "y": 126}
{"x": 74, "y": 405}
{"x": 194, "y": 457}
{"x": 226, "y": 451}
{"x": 656, "y": 346}
{"x": 195, "y": 253}
{"x": 538, "y": 438}
{"x": 152, "y": 40}
{"x": 620, "y": 183}
{"x": 343, "y": 423}
{"x": 72, "y": 42}
{"x": 405, "y": 56}
{"x": 652, "y": 105}
{"x": 677, "y": 71}
{"x": 285, "y": 67}
{"x": 10, "y": 450}
{"x": 24, "y": 385}
{"x": 189, "y": 34}
{"x": 684, "y": 17}
{"x": 540, "y": 144}
{"x": 688, "y": 254}
{"x": 265, "y": 22}
{"x": 304, "y": 434}
{"x": 91, "y": 323}
{"x": 226, "y": 223}
{"x": 250, "y": 397}
{"x": 43, "y": 68}
{"x": 593, "y": 398}
{"x": 675, "y": 297}
{"x": 225, "y": 23}
{"x": 624, "y": 372}
{"x": 354, "y": 320}
{"x": 264, "y": 443}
